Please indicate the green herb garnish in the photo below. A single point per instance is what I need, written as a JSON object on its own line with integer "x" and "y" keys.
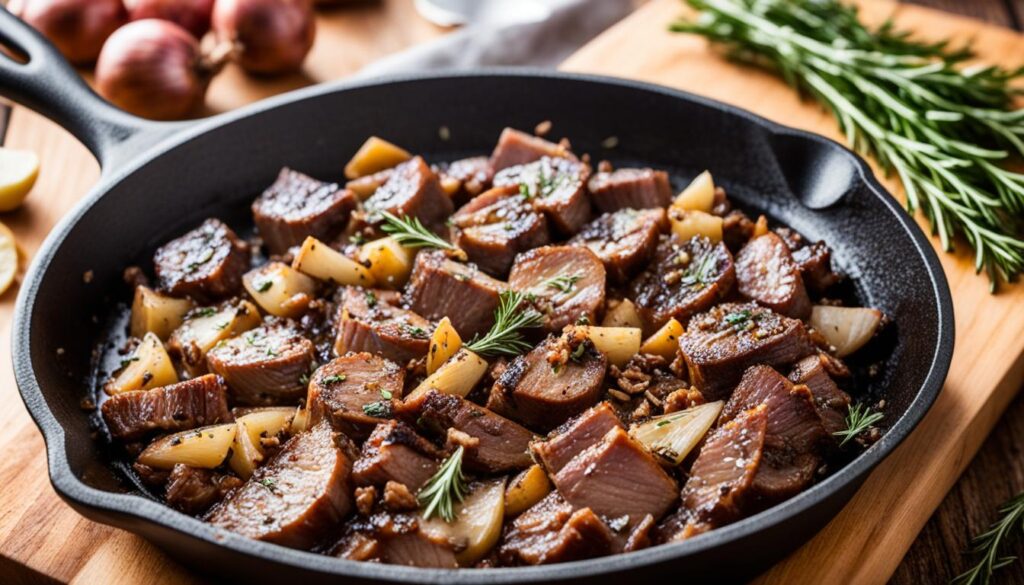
{"x": 378, "y": 409}
{"x": 700, "y": 271}
{"x": 265, "y": 285}
{"x": 128, "y": 360}
{"x": 205, "y": 312}
{"x": 562, "y": 282}
{"x": 577, "y": 354}
{"x": 328, "y": 380}
{"x": 414, "y": 331}
{"x": 859, "y": 419}
{"x": 411, "y": 233}
{"x": 371, "y": 299}
{"x": 444, "y": 489}
{"x": 386, "y": 394}
{"x": 269, "y": 483}
{"x": 505, "y": 336}
{"x": 989, "y": 543}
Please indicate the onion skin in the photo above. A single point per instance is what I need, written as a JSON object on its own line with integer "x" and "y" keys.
{"x": 271, "y": 36}
{"x": 78, "y": 28}
{"x": 192, "y": 15}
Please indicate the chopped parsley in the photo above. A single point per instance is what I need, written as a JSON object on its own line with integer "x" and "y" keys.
{"x": 128, "y": 360}
{"x": 418, "y": 332}
{"x": 562, "y": 282}
{"x": 379, "y": 409}
{"x": 334, "y": 379}
{"x": 386, "y": 394}
{"x": 269, "y": 483}
{"x": 577, "y": 354}
{"x": 738, "y": 318}
{"x": 205, "y": 312}
{"x": 265, "y": 285}
{"x": 371, "y": 299}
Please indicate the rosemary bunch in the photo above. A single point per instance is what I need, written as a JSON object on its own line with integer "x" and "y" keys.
{"x": 989, "y": 543}
{"x": 446, "y": 488}
{"x": 944, "y": 128}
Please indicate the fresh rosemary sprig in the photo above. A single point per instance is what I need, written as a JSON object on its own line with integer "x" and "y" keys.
{"x": 859, "y": 419}
{"x": 988, "y": 544}
{"x": 943, "y": 128}
{"x": 446, "y": 487}
{"x": 505, "y": 336}
{"x": 411, "y": 233}
{"x": 562, "y": 282}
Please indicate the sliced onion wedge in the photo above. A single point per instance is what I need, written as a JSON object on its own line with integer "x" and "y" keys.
{"x": 672, "y": 436}
{"x": 845, "y": 328}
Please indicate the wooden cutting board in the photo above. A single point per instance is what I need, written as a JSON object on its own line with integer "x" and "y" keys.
{"x": 41, "y": 539}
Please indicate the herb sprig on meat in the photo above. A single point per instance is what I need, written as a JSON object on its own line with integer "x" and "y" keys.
{"x": 444, "y": 489}
{"x": 411, "y": 233}
{"x": 505, "y": 336}
{"x": 859, "y": 419}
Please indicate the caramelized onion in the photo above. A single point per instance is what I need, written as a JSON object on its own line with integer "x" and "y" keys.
{"x": 77, "y": 27}
{"x": 192, "y": 15}
{"x": 271, "y": 36}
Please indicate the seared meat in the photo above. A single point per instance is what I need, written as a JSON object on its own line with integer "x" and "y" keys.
{"x": 630, "y": 189}
{"x": 551, "y": 532}
{"x": 298, "y": 496}
{"x": 624, "y": 241}
{"x": 297, "y": 206}
{"x": 193, "y": 490}
{"x": 683, "y": 279}
{"x": 721, "y": 343}
{"x": 575, "y": 436}
{"x": 518, "y": 148}
{"x": 566, "y": 281}
{"x": 394, "y": 452}
{"x": 540, "y": 395}
{"x": 737, "y": 229}
{"x": 372, "y": 321}
{"x": 207, "y": 263}
{"x": 473, "y": 175}
{"x": 179, "y": 407}
{"x": 264, "y": 366}
{"x": 440, "y": 287}
{"x": 554, "y": 186}
{"x": 497, "y": 225}
{"x": 831, "y": 403}
{"x": 395, "y": 539}
{"x": 815, "y": 263}
{"x": 766, "y": 273}
{"x": 350, "y": 390}
{"x": 412, "y": 189}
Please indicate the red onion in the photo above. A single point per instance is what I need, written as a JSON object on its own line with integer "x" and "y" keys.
{"x": 77, "y": 27}
{"x": 271, "y": 36}
{"x": 192, "y": 15}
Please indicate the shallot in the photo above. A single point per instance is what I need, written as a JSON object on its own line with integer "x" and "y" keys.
{"x": 192, "y": 15}
{"x": 77, "y": 27}
{"x": 270, "y": 36}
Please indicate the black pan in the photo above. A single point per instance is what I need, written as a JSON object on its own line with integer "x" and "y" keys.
{"x": 162, "y": 179}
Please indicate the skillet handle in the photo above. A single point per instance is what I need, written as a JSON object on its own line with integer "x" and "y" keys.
{"x": 49, "y": 85}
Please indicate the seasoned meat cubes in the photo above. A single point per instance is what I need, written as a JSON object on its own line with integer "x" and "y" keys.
{"x": 552, "y": 532}
{"x": 554, "y": 186}
{"x": 831, "y": 403}
{"x": 207, "y": 263}
{"x": 267, "y": 365}
{"x": 518, "y": 148}
{"x": 394, "y": 452}
{"x": 193, "y": 490}
{"x": 721, "y": 343}
{"x": 815, "y": 263}
{"x": 766, "y": 273}
{"x": 298, "y": 496}
{"x": 353, "y": 391}
{"x": 684, "y": 278}
{"x": 541, "y": 394}
{"x": 567, "y": 283}
{"x": 395, "y": 539}
{"x": 624, "y": 240}
{"x": 372, "y": 321}
{"x": 497, "y": 225}
{"x": 297, "y": 206}
{"x": 630, "y": 189}
{"x": 412, "y": 189}
{"x": 575, "y": 436}
{"x": 440, "y": 287}
{"x": 179, "y": 407}
{"x": 472, "y": 174}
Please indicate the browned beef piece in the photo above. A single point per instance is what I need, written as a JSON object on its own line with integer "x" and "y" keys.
{"x": 298, "y": 496}
{"x": 566, "y": 281}
{"x": 265, "y": 366}
{"x": 541, "y": 396}
{"x": 518, "y": 148}
{"x": 794, "y": 241}
{"x": 473, "y": 175}
{"x": 720, "y": 344}
{"x": 198, "y": 402}
{"x": 630, "y": 189}
{"x": 352, "y": 390}
{"x": 395, "y": 539}
{"x": 554, "y": 186}
{"x": 500, "y": 445}
{"x": 766, "y": 273}
{"x": 372, "y": 321}
{"x": 830, "y": 402}
{"x": 624, "y": 241}
{"x": 413, "y": 190}
{"x": 815, "y": 263}
{"x": 737, "y": 229}
{"x": 575, "y": 436}
{"x": 365, "y": 186}
{"x": 207, "y": 263}
{"x": 551, "y": 532}
{"x": 394, "y": 452}
{"x": 193, "y": 490}
{"x": 297, "y": 206}
{"x": 151, "y": 476}
{"x": 497, "y": 225}
{"x": 794, "y": 433}
{"x": 440, "y": 287}
{"x": 684, "y": 278}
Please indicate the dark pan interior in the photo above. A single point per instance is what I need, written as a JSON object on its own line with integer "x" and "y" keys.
{"x": 811, "y": 184}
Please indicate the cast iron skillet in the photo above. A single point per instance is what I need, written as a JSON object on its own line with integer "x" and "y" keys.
{"x": 161, "y": 179}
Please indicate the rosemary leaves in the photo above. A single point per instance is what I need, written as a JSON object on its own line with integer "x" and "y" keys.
{"x": 441, "y": 492}
{"x": 505, "y": 336}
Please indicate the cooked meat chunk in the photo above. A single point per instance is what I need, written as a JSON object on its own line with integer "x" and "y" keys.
{"x": 193, "y": 490}
{"x": 500, "y": 445}
{"x": 518, "y": 148}
{"x": 551, "y": 532}
{"x": 198, "y": 402}
{"x": 794, "y": 432}
{"x": 815, "y": 263}
{"x": 440, "y": 287}
{"x": 298, "y": 495}
{"x": 349, "y": 392}
{"x": 737, "y": 229}
{"x": 297, "y": 206}
{"x": 207, "y": 263}
{"x": 766, "y": 273}
{"x": 394, "y": 452}
{"x": 831, "y": 403}
{"x": 624, "y": 240}
{"x": 721, "y": 343}
{"x": 395, "y": 539}
{"x": 630, "y": 189}
{"x": 473, "y": 175}
{"x": 566, "y": 281}
{"x": 541, "y": 395}
{"x": 575, "y": 436}
{"x": 684, "y": 278}
{"x": 497, "y": 225}
{"x": 413, "y": 190}
{"x": 372, "y": 321}
{"x": 264, "y": 366}
{"x": 554, "y": 186}
{"x": 366, "y": 185}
